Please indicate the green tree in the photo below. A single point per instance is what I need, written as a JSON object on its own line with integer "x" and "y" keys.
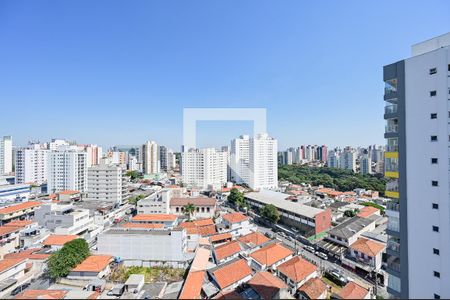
{"x": 349, "y": 213}
{"x": 70, "y": 255}
{"x": 270, "y": 213}
{"x": 237, "y": 198}
{"x": 134, "y": 175}
{"x": 189, "y": 210}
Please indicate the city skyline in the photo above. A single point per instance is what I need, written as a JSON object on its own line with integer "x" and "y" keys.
{"x": 132, "y": 79}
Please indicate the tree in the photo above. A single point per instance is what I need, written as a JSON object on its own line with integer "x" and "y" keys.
{"x": 70, "y": 255}
{"x": 349, "y": 213}
{"x": 237, "y": 198}
{"x": 270, "y": 213}
{"x": 189, "y": 210}
{"x": 134, "y": 175}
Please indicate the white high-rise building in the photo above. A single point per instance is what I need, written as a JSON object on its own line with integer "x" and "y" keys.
{"x": 6, "y": 153}
{"x": 167, "y": 158}
{"x": 204, "y": 168}
{"x": 348, "y": 159}
{"x": 263, "y": 162}
{"x": 150, "y": 158}
{"x": 334, "y": 159}
{"x": 365, "y": 164}
{"x": 417, "y": 93}
{"x": 56, "y": 143}
{"x": 67, "y": 169}
{"x": 106, "y": 183}
{"x": 240, "y": 160}
{"x": 31, "y": 164}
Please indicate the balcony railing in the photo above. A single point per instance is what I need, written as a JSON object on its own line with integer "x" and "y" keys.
{"x": 390, "y": 109}
{"x": 394, "y": 246}
{"x": 394, "y": 266}
{"x": 393, "y": 206}
{"x": 392, "y": 128}
{"x": 393, "y": 226}
{"x": 392, "y": 148}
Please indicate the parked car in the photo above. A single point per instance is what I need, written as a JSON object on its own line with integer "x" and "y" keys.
{"x": 309, "y": 248}
{"x": 321, "y": 255}
{"x": 337, "y": 276}
{"x": 269, "y": 235}
{"x": 20, "y": 288}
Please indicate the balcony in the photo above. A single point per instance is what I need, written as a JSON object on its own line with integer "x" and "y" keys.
{"x": 392, "y": 148}
{"x": 393, "y": 247}
{"x": 393, "y": 206}
{"x": 390, "y": 111}
{"x": 391, "y": 128}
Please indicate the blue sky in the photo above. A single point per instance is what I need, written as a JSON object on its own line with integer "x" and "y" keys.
{"x": 121, "y": 72}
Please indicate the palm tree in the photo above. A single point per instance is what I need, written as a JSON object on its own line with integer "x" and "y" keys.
{"x": 189, "y": 210}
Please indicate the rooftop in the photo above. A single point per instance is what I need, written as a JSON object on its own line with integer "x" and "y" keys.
{"x": 297, "y": 268}
{"x": 30, "y": 253}
{"x": 142, "y": 225}
{"x": 279, "y": 200}
{"x": 220, "y": 237}
{"x": 154, "y": 217}
{"x": 271, "y": 254}
{"x": 4, "y": 230}
{"x": 200, "y": 201}
{"x": 69, "y": 192}
{"x": 201, "y": 259}
{"x": 18, "y": 207}
{"x": 353, "y": 290}
{"x": 368, "y": 247}
{"x": 94, "y": 263}
{"x": 226, "y": 250}
{"x": 6, "y": 264}
{"x": 367, "y": 211}
{"x": 58, "y": 240}
{"x": 350, "y": 227}
{"x": 235, "y": 217}
{"x": 231, "y": 272}
{"x": 266, "y": 285}
{"x": 313, "y": 288}
{"x": 42, "y": 294}
{"x": 19, "y": 223}
{"x": 193, "y": 285}
{"x": 253, "y": 239}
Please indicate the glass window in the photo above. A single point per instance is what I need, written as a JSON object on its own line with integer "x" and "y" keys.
{"x": 434, "y": 160}
{"x": 433, "y": 116}
{"x": 437, "y": 274}
{"x": 435, "y": 251}
{"x": 433, "y": 71}
{"x": 435, "y": 206}
{"x": 390, "y": 86}
{"x": 433, "y": 93}
{"x": 435, "y": 228}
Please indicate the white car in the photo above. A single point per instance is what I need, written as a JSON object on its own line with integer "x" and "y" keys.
{"x": 309, "y": 248}
{"x": 321, "y": 255}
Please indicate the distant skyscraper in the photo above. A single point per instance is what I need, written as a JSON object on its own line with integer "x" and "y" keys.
{"x": 334, "y": 159}
{"x": 365, "y": 163}
{"x": 106, "y": 183}
{"x": 417, "y": 163}
{"x": 67, "y": 169}
{"x": 6, "y": 153}
{"x": 263, "y": 162}
{"x": 348, "y": 159}
{"x": 32, "y": 164}
{"x": 150, "y": 158}
{"x": 94, "y": 154}
{"x": 240, "y": 160}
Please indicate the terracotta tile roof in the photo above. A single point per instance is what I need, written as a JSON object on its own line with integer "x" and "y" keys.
{"x": 203, "y": 227}
{"x": 201, "y": 259}
{"x": 200, "y": 201}
{"x": 142, "y": 225}
{"x": 270, "y": 254}
{"x": 193, "y": 285}
{"x": 69, "y": 192}
{"x": 367, "y": 211}
{"x": 220, "y": 237}
{"x": 368, "y": 247}
{"x": 42, "y": 294}
{"x": 28, "y": 253}
{"x": 4, "y": 230}
{"x": 20, "y": 223}
{"x": 58, "y": 240}
{"x": 313, "y": 288}
{"x": 297, "y": 268}
{"x": 231, "y": 273}
{"x": 6, "y": 264}
{"x": 52, "y": 196}
{"x": 235, "y": 217}
{"x": 203, "y": 222}
{"x": 154, "y": 217}
{"x": 266, "y": 285}
{"x": 254, "y": 239}
{"x": 232, "y": 295}
{"x": 19, "y": 207}
{"x": 207, "y": 230}
{"x": 202, "y": 241}
{"x": 94, "y": 263}
{"x": 353, "y": 290}
{"x": 226, "y": 250}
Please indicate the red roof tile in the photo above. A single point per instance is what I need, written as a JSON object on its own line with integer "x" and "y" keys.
{"x": 94, "y": 263}
{"x": 59, "y": 240}
{"x": 226, "y": 250}
{"x": 254, "y": 239}
{"x": 271, "y": 254}
{"x": 142, "y": 225}
{"x": 19, "y": 223}
{"x": 42, "y": 294}
{"x": 7, "y": 264}
{"x": 154, "y": 217}
{"x": 297, "y": 268}
{"x": 193, "y": 285}
{"x": 235, "y": 217}
{"x": 220, "y": 237}
{"x": 4, "y": 230}
{"x": 368, "y": 247}
{"x": 353, "y": 290}
{"x": 231, "y": 273}
{"x": 19, "y": 207}
{"x": 367, "y": 211}
{"x": 266, "y": 285}
{"x": 313, "y": 288}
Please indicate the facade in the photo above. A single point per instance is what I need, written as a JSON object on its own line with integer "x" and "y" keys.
{"x": 365, "y": 164}
{"x": 94, "y": 155}
{"x": 237, "y": 224}
{"x": 63, "y": 219}
{"x": 14, "y": 192}
{"x": 156, "y": 203}
{"x": 416, "y": 161}
{"x": 240, "y": 160}
{"x": 106, "y": 183}
{"x": 334, "y": 159}
{"x": 93, "y": 267}
{"x": 204, "y": 207}
{"x": 263, "y": 162}
{"x": 204, "y": 168}
{"x": 31, "y": 164}
{"x": 67, "y": 169}
{"x": 6, "y": 152}
{"x": 348, "y": 159}
{"x": 167, "y": 158}
{"x": 18, "y": 211}
{"x": 150, "y": 158}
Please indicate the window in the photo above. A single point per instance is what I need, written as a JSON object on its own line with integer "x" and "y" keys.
{"x": 433, "y": 71}
{"x": 434, "y": 138}
{"x": 433, "y": 116}
{"x": 437, "y": 274}
{"x": 434, "y": 160}
{"x": 435, "y": 251}
{"x": 433, "y": 93}
{"x": 434, "y": 183}
{"x": 436, "y": 296}
{"x": 435, "y": 228}
{"x": 435, "y": 206}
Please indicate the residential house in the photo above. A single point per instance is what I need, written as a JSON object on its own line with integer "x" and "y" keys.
{"x": 204, "y": 207}
{"x": 352, "y": 290}
{"x": 226, "y": 252}
{"x": 366, "y": 252}
{"x": 168, "y": 220}
{"x": 231, "y": 274}
{"x": 269, "y": 257}
{"x": 18, "y": 211}
{"x": 56, "y": 241}
{"x": 94, "y": 266}
{"x": 237, "y": 224}
{"x": 267, "y": 286}
{"x": 296, "y": 271}
{"x": 313, "y": 288}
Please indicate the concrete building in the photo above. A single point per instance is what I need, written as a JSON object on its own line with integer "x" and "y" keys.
{"x": 106, "y": 182}
{"x": 150, "y": 158}
{"x": 55, "y": 144}
{"x": 94, "y": 155}
{"x": 416, "y": 160}
{"x": 240, "y": 160}
{"x": 263, "y": 162}
{"x": 348, "y": 159}
{"x": 365, "y": 164}
{"x": 204, "y": 207}
{"x": 67, "y": 169}
{"x": 146, "y": 247}
{"x": 156, "y": 203}
{"x": 10, "y": 193}
{"x": 63, "y": 219}
{"x": 23, "y": 210}
{"x": 348, "y": 232}
{"x": 93, "y": 267}
{"x": 334, "y": 159}
{"x": 167, "y": 158}
{"x": 31, "y": 164}
{"x": 204, "y": 168}
{"x": 6, "y": 152}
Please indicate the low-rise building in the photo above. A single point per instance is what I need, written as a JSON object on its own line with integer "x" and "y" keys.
{"x": 296, "y": 271}
{"x": 64, "y": 218}
{"x": 146, "y": 247}
{"x": 13, "y": 268}
{"x": 231, "y": 274}
{"x": 42, "y": 294}
{"x": 204, "y": 207}
{"x": 352, "y": 290}
{"x": 226, "y": 252}
{"x": 18, "y": 211}
{"x": 237, "y": 224}
{"x": 365, "y": 252}
{"x": 348, "y": 232}
{"x": 267, "y": 286}
{"x": 368, "y": 211}
{"x": 307, "y": 219}
{"x": 14, "y": 192}
{"x": 9, "y": 239}
{"x": 155, "y": 203}
{"x": 313, "y": 288}
{"x": 68, "y": 196}
{"x": 56, "y": 241}
{"x": 94, "y": 266}
{"x": 168, "y": 220}
{"x": 253, "y": 240}
{"x": 269, "y": 257}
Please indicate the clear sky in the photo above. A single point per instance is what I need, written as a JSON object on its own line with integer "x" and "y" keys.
{"x": 121, "y": 72}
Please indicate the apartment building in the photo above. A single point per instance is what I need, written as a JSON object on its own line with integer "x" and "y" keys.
{"x": 67, "y": 169}
{"x": 167, "y": 158}
{"x": 417, "y": 93}
{"x": 156, "y": 203}
{"x": 240, "y": 160}
{"x": 31, "y": 164}
{"x": 348, "y": 159}
{"x": 204, "y": 168}
{"x": 63, "y": 219}
{"x": 106, "y": 182}
{"x": 365, "y": 164}
{"x": 6, "y": 153}
{"x": 150, "y": 158}
{"x": 94, "y": 154}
